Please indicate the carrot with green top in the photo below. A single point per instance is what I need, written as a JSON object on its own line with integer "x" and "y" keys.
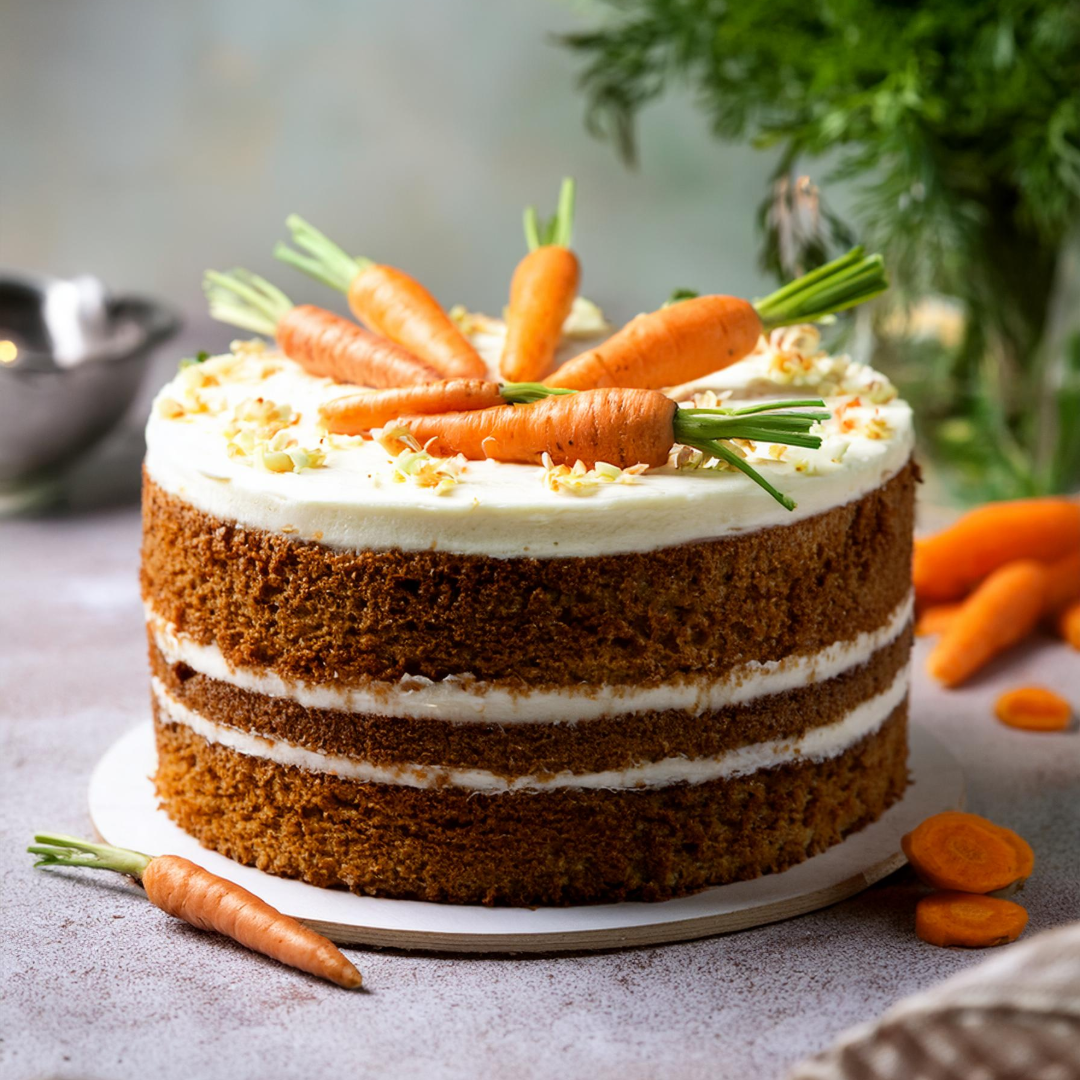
{"x": 542, "y": 292}
{"x": 1004, "y": 609}
{"x": 617, "y": 425}
{"x": 386, "y": 300}
{"x": 358, "y": 414}
{"x": 949, "y": 564}
{"x": 318, "y": 340}
{"x": 187, "y": 891}
{"x": 696, "y": 336}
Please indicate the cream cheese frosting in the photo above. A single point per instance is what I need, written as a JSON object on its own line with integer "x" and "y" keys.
{"x": 466, "y": 700}
{"x": 818, "y": 744}
{"x": 351, "y": 499}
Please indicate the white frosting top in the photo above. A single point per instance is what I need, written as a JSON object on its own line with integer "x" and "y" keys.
{"x": 220, "y": 438}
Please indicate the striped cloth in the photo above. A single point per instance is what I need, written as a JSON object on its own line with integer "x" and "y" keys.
{"x": 1014, "y": 1017}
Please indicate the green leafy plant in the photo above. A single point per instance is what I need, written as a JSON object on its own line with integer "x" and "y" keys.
{"x": 958, "y": 123}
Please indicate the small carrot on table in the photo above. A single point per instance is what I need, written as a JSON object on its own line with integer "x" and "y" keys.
{"x": 954, "y": 850}
{"x": 616, "y": 425}
{"x": 542, "y": 292}
{"x": 974, "y": 922}
{"x": 187, "y": 891}
{"x": 697, "y": 336}
{"x": 1068, "y": 624}
{"x": 951, "y": 563}
{"x": 1033, "y": 708}
{"x": 936, "y": 619}
{"x": 386, "y": 300}
{"x": 1004, "y": 609}
{"x": 1063, "y": 583}
{"x": 318, "y": 340}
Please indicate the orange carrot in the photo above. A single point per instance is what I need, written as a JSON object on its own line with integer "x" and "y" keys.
{"x": 1068, "y": 624}
{"x": 1033, "y": 708}
{"x": 187, "y": 891}
{"x": 357, "y": 414}
{"x": 620, "y": 427}
{"x": 542, "y": 292}
{"x": 701, "y": 334}
{"x": 948, "y": 565}
{"x": 1001, "y": 611}
{"x": 974, "y": 922}
{"x": 936, "y": 620}
{"x": 954, "y": 850}
{"x": 386, "y": 300}
{"x": 1063, "y": 582}
{"x": 667, "y": 347}
{"x": 326, "y": 344}
{"x": 318, "y": 340}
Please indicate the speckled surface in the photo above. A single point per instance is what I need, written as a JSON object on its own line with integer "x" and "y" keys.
{"x": 97, "y": 983}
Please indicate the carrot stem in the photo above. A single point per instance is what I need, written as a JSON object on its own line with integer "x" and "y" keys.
{"x": 58, "y": 849}
{"x": 244, "y": 299}
{"x": 836, "y": 286}
{"x": 324, "y": 260}
{"x": 559, "y": 229}
{"x": 717, "y": 449}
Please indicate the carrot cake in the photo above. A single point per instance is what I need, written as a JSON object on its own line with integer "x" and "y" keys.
{"x": 426, "y": 678}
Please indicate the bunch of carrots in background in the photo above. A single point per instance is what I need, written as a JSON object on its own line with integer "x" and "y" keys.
{"x": 603, "y": 406}
{"x": 987, "y": 582}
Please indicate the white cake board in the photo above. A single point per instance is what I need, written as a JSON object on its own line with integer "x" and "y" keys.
{"x": 124, "y": 810}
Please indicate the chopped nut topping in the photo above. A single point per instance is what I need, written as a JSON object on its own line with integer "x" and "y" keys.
{"x": 413, "y": 464}
{"x": 578, "y": 480}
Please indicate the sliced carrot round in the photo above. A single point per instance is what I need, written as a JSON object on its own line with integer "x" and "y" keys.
{"x": 965, "y": 852}
{"x": 972, "y": 921}
{"x": 1033, "y": 708}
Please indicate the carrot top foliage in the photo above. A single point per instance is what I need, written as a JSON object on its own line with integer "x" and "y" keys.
{"x": 959, "y": 126}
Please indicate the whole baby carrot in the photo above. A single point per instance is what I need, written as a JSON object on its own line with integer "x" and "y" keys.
{"x": 696, "y": 336}
{"x": 952, "y": 562}
{"x": 1003, "y": 609}
{"x": 386, "y": 300}
{"x": 542, "y": 292}
{"x": 209, "y": 902}
{"x": 318, "y": 340}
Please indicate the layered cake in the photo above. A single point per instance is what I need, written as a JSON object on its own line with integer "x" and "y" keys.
{"x": 482, "y": 682}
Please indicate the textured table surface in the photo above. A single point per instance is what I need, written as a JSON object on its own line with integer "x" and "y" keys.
{"x": 99, "y": 984}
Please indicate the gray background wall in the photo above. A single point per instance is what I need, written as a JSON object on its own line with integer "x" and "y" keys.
{"x": 145, "y": 141}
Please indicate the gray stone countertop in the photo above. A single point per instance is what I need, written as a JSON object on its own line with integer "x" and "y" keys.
{"x": 99, "y": 984}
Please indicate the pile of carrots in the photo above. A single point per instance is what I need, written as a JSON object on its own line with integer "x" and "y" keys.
{"x": 987, "y": 582}
{"x": 964, "y": 858}
{"x": 437, "y": 388}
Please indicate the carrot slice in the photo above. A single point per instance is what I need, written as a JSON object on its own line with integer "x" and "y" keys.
{"x": 949, "y": 564}
{"x": 1033, "y": 708}
{"x": 1004, "y": 609}
{"x": 973, "y": 922}
{"x": 954, "y": 850}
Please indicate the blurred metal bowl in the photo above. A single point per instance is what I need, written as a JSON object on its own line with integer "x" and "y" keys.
{"x": 51, "y": 411}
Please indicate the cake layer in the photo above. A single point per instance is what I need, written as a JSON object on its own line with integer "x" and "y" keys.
{"x": 821, "y": 718}
{"x": 352, "y": 501}
{"x": 548, "y": 847}
{"x": 466, "y": 700}
{"x": 310, "y": 613}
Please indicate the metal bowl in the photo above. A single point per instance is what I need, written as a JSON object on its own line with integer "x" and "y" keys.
{"x": 52, "y": 410}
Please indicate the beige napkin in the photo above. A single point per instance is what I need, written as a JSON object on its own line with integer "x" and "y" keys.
{"x": 1014, "y": 1017}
